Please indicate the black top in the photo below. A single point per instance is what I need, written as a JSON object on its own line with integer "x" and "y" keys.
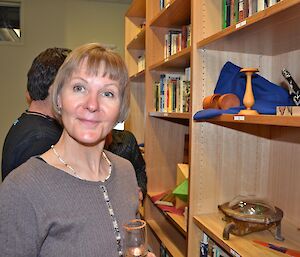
{"x": 125, "y": 145}
{"x": 30, "y": 135}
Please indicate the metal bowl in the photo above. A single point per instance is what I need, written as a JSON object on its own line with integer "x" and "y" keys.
{"x": 244, "y": 216}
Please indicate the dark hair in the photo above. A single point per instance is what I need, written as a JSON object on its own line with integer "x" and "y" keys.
{"x": 43, "y": 70}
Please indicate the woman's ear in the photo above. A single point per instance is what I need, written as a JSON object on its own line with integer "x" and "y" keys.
{"x": 58, "y": 102}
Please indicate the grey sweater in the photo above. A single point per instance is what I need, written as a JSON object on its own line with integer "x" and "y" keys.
{"x": 46, "y": 212}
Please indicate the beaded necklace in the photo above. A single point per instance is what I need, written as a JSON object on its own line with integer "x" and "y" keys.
{"x": 73, "y": 170}
{"x": 105, "y": 195}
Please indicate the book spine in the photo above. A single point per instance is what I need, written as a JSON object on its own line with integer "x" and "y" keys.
{"x": 162, "y": 93}
{"x": 228, "y": 9}
{"x": 166, "y": 46}
{"x": 189, "y": 36}
{"x": 232, "y": 12}
{"x": 161, "y": 4}
{"x": 223, "y": 14}
{"x": 241, "y": 10}
{"x": 272, "y": 2}
{"x": 246, "y": 8}
{"x": 260, "y": 5}
{"x": 183, "y": 37}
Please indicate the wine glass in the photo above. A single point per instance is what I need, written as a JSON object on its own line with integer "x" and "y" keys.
{"x": 135, "y": 238}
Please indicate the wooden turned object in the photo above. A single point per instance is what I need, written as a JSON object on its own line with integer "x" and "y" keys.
{"x": 211, "y": 102}
{"x": 248, "y": 99}
{"x": 228, "y": 101}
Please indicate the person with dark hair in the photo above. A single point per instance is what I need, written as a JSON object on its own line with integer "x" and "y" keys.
{"x": 36, "y": 129}
{"x": 124, "y": 144}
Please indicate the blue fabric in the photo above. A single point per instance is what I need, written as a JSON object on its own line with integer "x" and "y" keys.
{"x": 266, "y": 94}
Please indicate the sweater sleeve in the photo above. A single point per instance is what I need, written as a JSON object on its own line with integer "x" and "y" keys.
{"x": 18, "y": 223}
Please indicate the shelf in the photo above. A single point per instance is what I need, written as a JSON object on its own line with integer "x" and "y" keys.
{"x": 263, "y": 33}
{"x": 176, "y": 220}
{"x": 213, "y": 225}
{"x": 178, "y": 61}
{"x": 138, "y": 77}
{"x": 137, "y": 9}
{"x": 174, "y": 251}
{"x": 178, "y": 13}
{"x": 138, "y": 43}
{"x": 175, "y": 115}
{"x": 271, "y": 120}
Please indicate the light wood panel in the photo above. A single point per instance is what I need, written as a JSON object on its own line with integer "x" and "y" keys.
{"x": 175, "y": 15}
{"x": 137, "y": 9}
{"x": 164, "y": 229}
{"x": 138, "y": 42}
{"x": 265, "y": 32}
{"x": 164, "y": 239}
{"x": 228, "y": 155}
{"x": 243, "y": 155}
{"x": 135, "y": 47}
{"x": 213, "y": 226}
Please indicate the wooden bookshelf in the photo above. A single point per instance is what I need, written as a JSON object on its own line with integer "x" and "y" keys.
{"x": 135, "y": 38}
{"x": 229, "y": 155}
{"x": 178, "y": 221}
{"x": 137, "y": 9}
{"x": 265, "y": 27}
{"x": 164, "y": 239}
{"x": 243, "y": 155}
{"x": 138, "y": 77}
{"x": 174, "y": 62}
{"x": 268, "y": 120}
{"x": 213, "y": 225}
{"x": 171, "y": 17}
{"x": 172, "y": 115}
{"x": 175, "y": 219}
{"x": 138, "y": 42}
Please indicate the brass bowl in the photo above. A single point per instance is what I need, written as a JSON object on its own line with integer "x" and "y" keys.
{"x": 249, "y": 215}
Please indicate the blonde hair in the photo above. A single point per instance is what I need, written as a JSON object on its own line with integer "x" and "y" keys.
{"x": 98, "y": 59}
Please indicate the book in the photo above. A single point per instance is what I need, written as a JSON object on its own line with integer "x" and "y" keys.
{"x": 272, "y": 2}
{"x": 260, "y": 5}
{"x": 165, "y": 198}
{"x": 241, "y": 10}
{"x": 252, "y": 7}
{"x": 228, "y": 10}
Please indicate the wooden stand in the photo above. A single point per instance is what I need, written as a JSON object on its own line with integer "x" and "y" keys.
{"x": 248, "y": 96}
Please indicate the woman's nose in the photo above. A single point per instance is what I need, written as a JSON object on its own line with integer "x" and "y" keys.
{"x": 92, "y": 103}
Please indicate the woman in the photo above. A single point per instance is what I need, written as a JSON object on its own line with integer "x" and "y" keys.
{"x": 73, "y": 199}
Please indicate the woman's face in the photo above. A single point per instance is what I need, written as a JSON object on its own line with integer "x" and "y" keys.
{"x": 89, "y": 105}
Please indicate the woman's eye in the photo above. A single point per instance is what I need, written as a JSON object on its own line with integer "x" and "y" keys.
{"x": 78, "y": 88}
{"x": 108, "y": 94}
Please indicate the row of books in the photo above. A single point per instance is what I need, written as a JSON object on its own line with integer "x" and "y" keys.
{"x": 172, "y": 93}
{"x": 176, "y": 40}
{"x": 234, "y": 11}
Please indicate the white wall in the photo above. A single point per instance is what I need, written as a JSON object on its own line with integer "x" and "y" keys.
{"x": 89, "y": 20}
{"x": 50, "y": 23}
